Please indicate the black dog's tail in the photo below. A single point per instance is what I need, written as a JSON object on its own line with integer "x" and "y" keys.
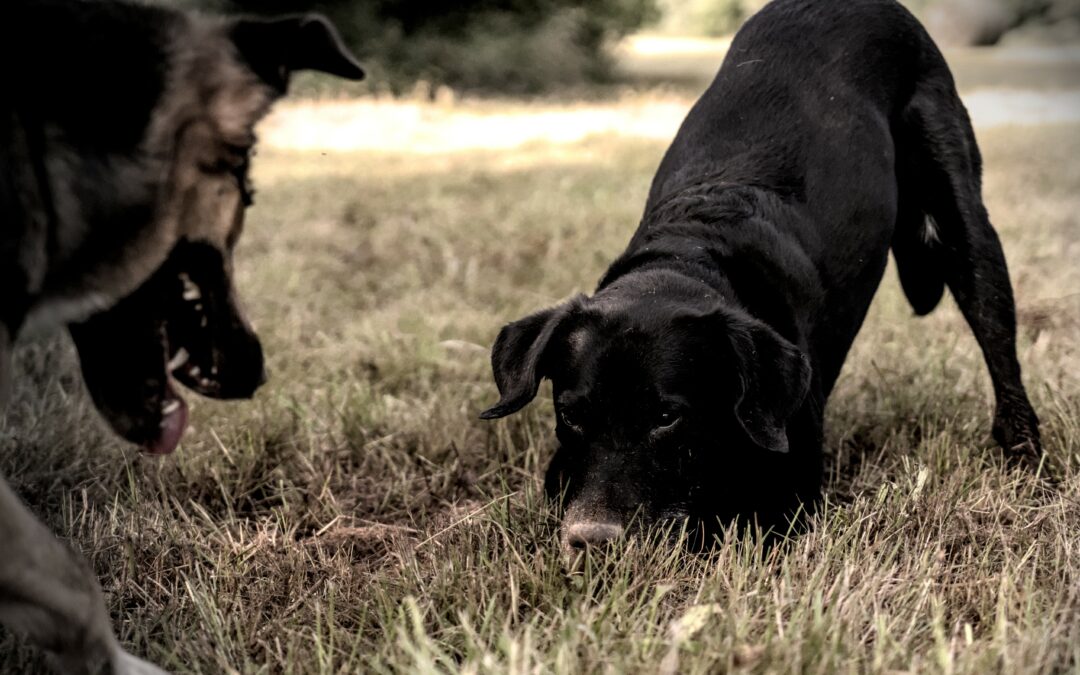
{"x": 916, "y": 239}
{"x": 915, "y": 245}
{"x": 924, "y": 160}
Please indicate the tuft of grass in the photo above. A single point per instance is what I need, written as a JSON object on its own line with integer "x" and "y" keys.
{"x": 358, "y": 517}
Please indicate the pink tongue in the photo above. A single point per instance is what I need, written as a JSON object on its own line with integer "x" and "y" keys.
{"x": 172, "y": 430}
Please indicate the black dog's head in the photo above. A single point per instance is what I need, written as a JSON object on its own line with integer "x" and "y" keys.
{"x": 663, "y": 406}
{"x": 149, "y": 119}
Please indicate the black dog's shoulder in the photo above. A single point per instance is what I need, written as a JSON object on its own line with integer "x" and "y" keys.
{"x": 730, "y": 237}
{"x": 801, "y": 76}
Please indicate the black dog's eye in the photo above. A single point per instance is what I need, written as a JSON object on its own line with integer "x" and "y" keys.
{"x": 571, "y": 418}
{"x": 667, "y": 418}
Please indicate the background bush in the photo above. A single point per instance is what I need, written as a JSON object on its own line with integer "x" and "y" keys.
{"x": 988, "y": 22}
{"x": 509, "y": 46}
{"x": 953, "y": 22}
{"x": 534, "y": 46}
{"x": 713, "y": 18}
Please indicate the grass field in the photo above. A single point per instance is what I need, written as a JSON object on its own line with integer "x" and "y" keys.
{"x": 358, "y": 517}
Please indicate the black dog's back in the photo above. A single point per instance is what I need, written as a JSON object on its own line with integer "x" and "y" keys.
{"x": 813, "y": 104}
{"x": 801, "y": 76}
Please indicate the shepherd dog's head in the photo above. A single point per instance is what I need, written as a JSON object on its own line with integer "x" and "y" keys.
{"x": 139, "y": 123}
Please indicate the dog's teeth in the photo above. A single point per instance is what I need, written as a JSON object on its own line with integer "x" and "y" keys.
{"x": 194, "y": 371}
{"x": 204, "y": 322}
{"x": 213, "y": 371}
{"x": 179, "y": 359}
{"x": 191, "y": 289}
{"x": 169, "y": 407}
{"x": 205, "y": 382}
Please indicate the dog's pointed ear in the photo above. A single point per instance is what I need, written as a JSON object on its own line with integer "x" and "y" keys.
{"x": 774, "y": 380}
{"x": 517, "y": 358}
{"x": 276, "y": 48}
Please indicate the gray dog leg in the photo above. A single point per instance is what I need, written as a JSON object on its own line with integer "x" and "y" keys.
{"x": 49, "y": 596}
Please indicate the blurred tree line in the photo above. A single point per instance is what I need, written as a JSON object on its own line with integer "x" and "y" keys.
{"x": 509, "y": 46}
{"x": 530, "y": 46}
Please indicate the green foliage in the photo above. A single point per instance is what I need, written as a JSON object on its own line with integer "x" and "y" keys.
{"x": 533, "y": 46}
{"x": 705, "y": 17}
{"x": 717, "y": 18}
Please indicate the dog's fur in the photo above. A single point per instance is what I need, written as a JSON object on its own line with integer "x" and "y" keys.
{"x": 692, "y": 384}
{"x": 125, "y": 135}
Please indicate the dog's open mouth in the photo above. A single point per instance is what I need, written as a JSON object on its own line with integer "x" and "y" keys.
{"x": 182, "y": 327}
{"x": 174, "y": 419}
{"x": 174, "y": 409}
{"x": 180, "y": 366}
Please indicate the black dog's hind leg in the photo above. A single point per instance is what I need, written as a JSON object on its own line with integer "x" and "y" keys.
{"x": 963, "y": 249}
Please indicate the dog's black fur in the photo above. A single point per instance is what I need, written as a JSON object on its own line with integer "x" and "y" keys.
{"x": 692, "y": 384}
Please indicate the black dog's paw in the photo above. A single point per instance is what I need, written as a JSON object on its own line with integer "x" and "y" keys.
{"x": 1016, "y": 430}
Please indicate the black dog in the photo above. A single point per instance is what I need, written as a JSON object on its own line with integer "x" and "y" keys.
{"x": 692, "y": 384}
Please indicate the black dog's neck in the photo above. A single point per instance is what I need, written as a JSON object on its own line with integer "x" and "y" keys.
{"x": 721, "y": 243}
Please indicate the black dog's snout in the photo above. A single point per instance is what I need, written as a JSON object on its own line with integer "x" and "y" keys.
{"x": 583, "y": 535}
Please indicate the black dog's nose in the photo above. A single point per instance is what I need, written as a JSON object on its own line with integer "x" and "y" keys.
{"x": 580, "y": 536}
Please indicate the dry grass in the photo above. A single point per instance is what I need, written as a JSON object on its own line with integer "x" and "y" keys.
{"x": 357, "y": 516}
{"x": 421, "y": 128}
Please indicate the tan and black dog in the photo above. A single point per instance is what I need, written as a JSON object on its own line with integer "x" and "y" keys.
{"x": 125, "y": 136}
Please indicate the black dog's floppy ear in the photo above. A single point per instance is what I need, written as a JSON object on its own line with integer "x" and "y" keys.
{"x": 775, "y": 379}
{"x": 516, "y": 358}
{"x": 276, "y": 48}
